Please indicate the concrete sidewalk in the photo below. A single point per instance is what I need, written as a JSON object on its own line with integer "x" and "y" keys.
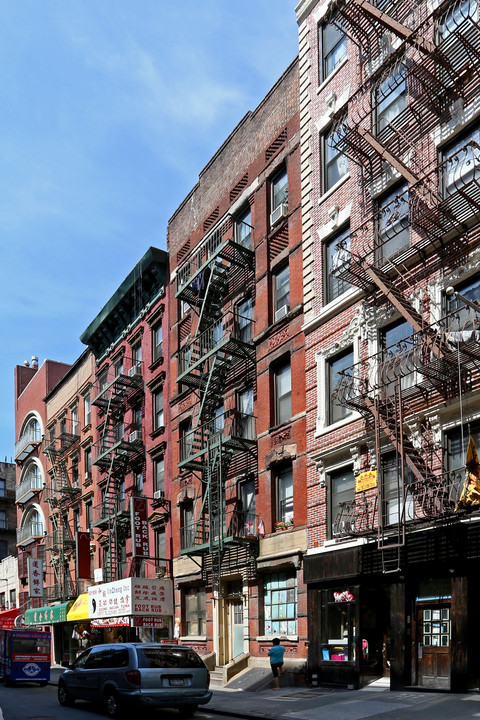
{"x": 375, "y": 701}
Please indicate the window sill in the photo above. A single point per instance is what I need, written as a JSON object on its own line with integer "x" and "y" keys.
{"x": 269, "y": 638}
{"x": 334, "y": 188}
{"x": 193, "y": 638}
{"x": 335, "y": 426}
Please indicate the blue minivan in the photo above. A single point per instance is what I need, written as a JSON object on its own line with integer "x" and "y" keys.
{"x": 123, "y": 676}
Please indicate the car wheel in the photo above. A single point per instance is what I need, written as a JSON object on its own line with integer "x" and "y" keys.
{"x": 188, "y": 710}
{"x": 64, "y": 697}
{"x": 112, "y": 705}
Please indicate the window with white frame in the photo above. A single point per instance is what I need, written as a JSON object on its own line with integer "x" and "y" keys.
{"x": 335, "y": 163}
{"x": 337, "y": 257}
{"x": 279, "y": 190}
{"x": 335, "y": 366}
{"x": 284, "y": 494}
{"x": 281, "y": 292}
{"x": 282, "y": 382}
{"x": 87, "y": 409}
{"x": 195, "y": 611}
{"x": 74, "y": 417}
{"x": 159, "y": 475}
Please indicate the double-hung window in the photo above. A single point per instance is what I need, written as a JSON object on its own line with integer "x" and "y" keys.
{"x": 246, "y": 418}
{"x": 157, "y": 342}
{"x": 391, "y": 97}
{"x": 463, "y": 318}
{"x": 283, "y": 393}
{"x": 337, "y": 259}
{"x": 392, "y": 223}
{"x": 195, "y": 611}
{"x": 279, "y": 197}
{"x": 280, "y": 604}
{"x": 245, "y": 320}
{"x": 284, "y": 487}
{"x": 243, "y": 228}
{"x": 281, "y": 292}
{"x": 335, "y": 365}
{"x": 332, "y": 45}
{"x": 335, "y": 163}
{"x": 158, "y": 417}
{"x": 397, "y": 500}
{"x": 342, "y": 490}
{"x": 461, "y": 174}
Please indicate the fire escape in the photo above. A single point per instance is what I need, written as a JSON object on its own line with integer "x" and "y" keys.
{"x": 419, "y": 68}
{"x": 219, "y": 440}
{"x": 119, "y": 447}
{"x": 60, "y": 544}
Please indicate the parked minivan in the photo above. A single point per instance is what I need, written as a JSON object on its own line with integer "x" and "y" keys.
{"x": 137, "y": 675}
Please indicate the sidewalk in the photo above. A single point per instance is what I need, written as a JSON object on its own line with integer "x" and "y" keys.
{"x": 375, "y": 701}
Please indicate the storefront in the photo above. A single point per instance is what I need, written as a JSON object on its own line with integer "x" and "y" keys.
{"x": 54, "y": 618}
{"x": 10, "y": 619}
{"x": 410, "y": 626}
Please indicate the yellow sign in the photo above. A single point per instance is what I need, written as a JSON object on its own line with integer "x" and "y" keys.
{"x": 366, "y": 481}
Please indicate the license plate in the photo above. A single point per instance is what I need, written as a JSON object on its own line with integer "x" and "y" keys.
{"x": 176, "y": 682}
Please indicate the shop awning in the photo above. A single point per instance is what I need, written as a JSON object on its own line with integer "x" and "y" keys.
{"x": 79, "y": 609}
{"x": 7, "y": 618}
{"x": 48, "y": 614}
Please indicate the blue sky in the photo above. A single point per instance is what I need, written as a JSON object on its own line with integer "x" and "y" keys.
{"x": 109, "y": 111}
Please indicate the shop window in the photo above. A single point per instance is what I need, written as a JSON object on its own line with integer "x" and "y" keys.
{"x": 195, "y": 611}
{"x": 334, "y": 366}
{"x": 338, "y": 625}
{"x": 332, "y": 47}
{"x": 280, "y": 604}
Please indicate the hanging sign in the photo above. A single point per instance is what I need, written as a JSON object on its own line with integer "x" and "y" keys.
{"x": 139, "y": 519}
{"x": 35, "y": 577}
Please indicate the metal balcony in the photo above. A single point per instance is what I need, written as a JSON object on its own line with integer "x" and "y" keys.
{"x": 26, "y": 444}
{"x": 237, "y": 527}
{"x": 116, "y": 387}
{"x": 30, "y": 533}
{"x": 233, "y": 430}
{"x": 117, "y": 447}
{"x": 28, "y": 488}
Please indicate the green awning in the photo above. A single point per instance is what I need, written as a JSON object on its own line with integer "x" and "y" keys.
{"x": 48, "y": 614}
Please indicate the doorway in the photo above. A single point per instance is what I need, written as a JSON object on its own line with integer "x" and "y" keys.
{"x": 433, "y": 643}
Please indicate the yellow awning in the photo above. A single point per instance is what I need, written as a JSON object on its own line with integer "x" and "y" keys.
{"x": 79, "y": 609}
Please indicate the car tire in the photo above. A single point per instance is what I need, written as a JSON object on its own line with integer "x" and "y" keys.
{"x": 188, "y": 710}
{"x": 64, "y": 697}
{"x": 112, "y": 705}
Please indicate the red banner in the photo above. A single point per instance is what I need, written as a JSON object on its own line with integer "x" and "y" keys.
{"x": 140, "y": 527}
{"x": 83, "y": 555}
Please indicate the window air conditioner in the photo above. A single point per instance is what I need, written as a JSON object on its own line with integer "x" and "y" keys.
{"x": 135, "y": 370}
{"x": 278, "y": 214}
{"x": 281, "y": 312}
{"x": 135, "y": 436}
{"x": 158, "y": 494}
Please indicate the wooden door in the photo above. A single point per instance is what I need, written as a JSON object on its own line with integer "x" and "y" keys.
{"x": 433, "y": 646}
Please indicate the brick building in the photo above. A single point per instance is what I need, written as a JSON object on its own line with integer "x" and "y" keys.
{"x": 237, "y": 393}
{"x": 8, "y": 512}
{"x": 390, "y": 185}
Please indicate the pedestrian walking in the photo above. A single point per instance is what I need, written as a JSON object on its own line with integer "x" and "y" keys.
{"x": 276, "y": 654}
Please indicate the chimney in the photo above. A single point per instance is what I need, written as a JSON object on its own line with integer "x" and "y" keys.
{"x": 34, "y": 361}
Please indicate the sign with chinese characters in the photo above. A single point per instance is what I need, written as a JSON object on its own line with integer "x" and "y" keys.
{"x": 366, "y": 481}
{"x": 139, "y": 519}
{"x": 131, "y": 596}
{"x": 35, "y": 577}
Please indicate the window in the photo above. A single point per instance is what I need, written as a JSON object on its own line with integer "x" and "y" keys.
{"x": 246, "y": 420}
{"x": 3, "y": 549}
{"x": 186, "y": 439}
{"x": 392, "y": 223}
{"x": 157, "y": 342}
{"x": 391, "y": 97}
{"x": 75, "y": 421}
{"x": 284, "y": 492}
{"x": 13, "y": 598}
{"x": 118, "y": 367}
{"x": 245, "y": 320}
{"x": 397, "y": 501}
{"x": 87, "y": 409}
{"x": 3, "y": 520}
{"x": 195, "y": 611}
{"x": 243, "y": 229}
{"x": 137, "y": 354}
{"x": 338, "y": 624}
{"x": 219, "y": 419}
{"x": 159, "y": 476}
{"x": 283, "y": 394}
{"x": 464, "y": 317}
{"x": 342, "y": 489}
{"x": 88, "y": 516}
{"x": 281, "y": 292}
{"x": 461, "y": 164}
{"x": 34, "y": 476}
{"x": 188, "y": 525}
{"x": 247, "y": 505}
{"x": 32, "y": 430}
{"x": 335, "y": 366}
{"x": 280, "y": 604}
{"x": 138, "y": 480}
{"x": 332, "y": 45}
{"x": 279, "y": 190}
{"x": 158, "y": 418}
{"x": 160, "y": 551}
{"x": 75, "y": 473}
{"x": 335, "y": 164}
{"x": 461, "y": 20}
{"x": 398, "y": 352}
{"x": 137, "y": 417}
{"x": 337, "y": 257}
{"x": 3, "y": 488}
{"x": 76, "y": 520}
{"x": 87, "y": 459}
{"x": 2, "y": 600}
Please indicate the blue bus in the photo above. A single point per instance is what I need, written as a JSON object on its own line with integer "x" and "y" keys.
{"x": 24, "y": 656}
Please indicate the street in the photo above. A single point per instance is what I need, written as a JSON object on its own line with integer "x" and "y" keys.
{"x": 31, "y": 702}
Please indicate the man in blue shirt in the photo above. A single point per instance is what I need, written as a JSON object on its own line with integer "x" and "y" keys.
{"x": 276, "y": 653}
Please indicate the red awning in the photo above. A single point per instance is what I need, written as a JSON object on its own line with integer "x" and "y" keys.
{"x": 7, "y": 618}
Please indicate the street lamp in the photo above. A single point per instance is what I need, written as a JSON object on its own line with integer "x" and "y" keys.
{"x": 471, "y": 303}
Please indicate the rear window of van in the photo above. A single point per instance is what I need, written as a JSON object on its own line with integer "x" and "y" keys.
{"x": 168, "y": 658}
